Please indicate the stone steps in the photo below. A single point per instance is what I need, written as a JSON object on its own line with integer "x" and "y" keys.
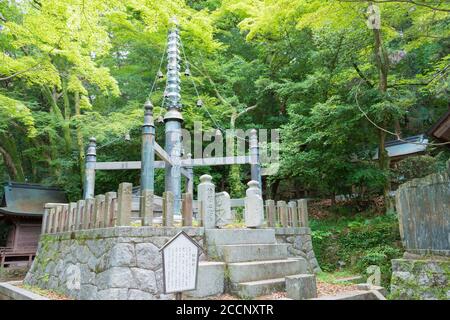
{"x": 216, "y": 237}
{"x": 252, "y": 252}
{"x": 256, "y": 264}
{"x": 263, "y": 270}
{"x": 258, "y": 288}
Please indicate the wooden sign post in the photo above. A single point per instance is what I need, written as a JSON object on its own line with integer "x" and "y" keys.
{"x": 180, "y": 258}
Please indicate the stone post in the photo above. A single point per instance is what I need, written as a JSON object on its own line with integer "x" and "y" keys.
{"x": 255, "y": 166}
{"x": 110, "y": 199}
{"x": 186, "y": 211}
{"x": 206, "y": 197}
{"x": 271, "y": 213}
{"x": 168, "y": 203}
{"x": 254, "y": 205}
{"x": 87, "y": 214}
{"x": 89, "y": 173}
{"x": 303, "y": 212}
{"x": 282, "y": 213}
{"x": 51, "y": 217}
{"x": 147, "y": 166}
{"x": 72, "y": 215}
{"x": 63, "y": 217}
{"x": 99, "y": 207}
{"x": 124, "y": 204}
{"x": 190, "y": 179}
{"x": 292, "y": 207}
{"x": 45, "y": 219}
{"x": 79, "y": 214}
{"x": 223, "y": 209}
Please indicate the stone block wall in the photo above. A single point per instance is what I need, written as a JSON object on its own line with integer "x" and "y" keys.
{"x": 421, "y": 279}
{"x": 300, "y": 244}
{"x": 113, "y": 263}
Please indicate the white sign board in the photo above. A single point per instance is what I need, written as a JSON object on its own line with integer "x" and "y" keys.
{"x": 180, "y": 263}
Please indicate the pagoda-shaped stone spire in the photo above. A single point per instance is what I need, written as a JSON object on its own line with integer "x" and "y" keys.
{"x": 173, "y": 118}
{"x": 173, "y": 96}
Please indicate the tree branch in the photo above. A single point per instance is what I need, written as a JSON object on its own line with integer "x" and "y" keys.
{"x": 402, "y": 1}
{"x": 361, "y": 75}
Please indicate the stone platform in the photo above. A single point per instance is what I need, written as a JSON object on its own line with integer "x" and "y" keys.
{"x": 124, "y": 263}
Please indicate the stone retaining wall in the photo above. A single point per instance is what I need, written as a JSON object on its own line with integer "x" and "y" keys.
{"x": 421, "y": 279}
{"x": 113, "y": 263}
{"x": 124, "y": 263}
{"x": 300, "y": 244}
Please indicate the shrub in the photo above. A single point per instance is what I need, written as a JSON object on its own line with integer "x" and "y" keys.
{"x": 357, "y": 242}
{"x": 414, "y": 167}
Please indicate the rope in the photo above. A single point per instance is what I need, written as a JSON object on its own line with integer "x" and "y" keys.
{"x": 390, "y": 132}
{"x": 203, "y": 106}
{"x": 148, "y": 97}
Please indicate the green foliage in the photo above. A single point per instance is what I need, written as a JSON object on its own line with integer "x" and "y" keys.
{"x": 70, "y": 70}
{"x": 415, "y": 167}
{"x": 358, "y": 241}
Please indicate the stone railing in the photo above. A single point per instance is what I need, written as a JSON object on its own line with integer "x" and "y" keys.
{"x": 293, "y": 213}
{"x": 214, "y": 210}
{"x": 109, "y": 210}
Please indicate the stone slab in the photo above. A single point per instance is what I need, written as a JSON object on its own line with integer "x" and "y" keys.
{"x": 10, "y": 291}
{"x": 239, "y": 236}
{"x": 263, "y": 270}
{"x": 301, "y": 286}
{"x": 254, "y": 289}
{"x": 252, "y": 252}
{"x": 354, "y": 295}
{"x": 210, "y": 280}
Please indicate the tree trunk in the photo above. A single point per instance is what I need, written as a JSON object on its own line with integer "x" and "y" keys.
{"x": 12, "y": 161}
{"x": 80, "y": 144}
{"x": 382, "y": 61}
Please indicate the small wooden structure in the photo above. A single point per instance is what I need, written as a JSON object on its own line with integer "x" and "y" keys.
{"x": 22, "y": 208}
{"x": 400, "y": 149}
{"x": 441, "y": 129}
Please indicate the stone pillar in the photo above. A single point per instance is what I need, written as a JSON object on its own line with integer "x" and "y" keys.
{"x": 303, "y": 212}
{"x": 89, "y": 172}
{"x": 223, "y": 209}
{"x": 147, "y": 166}
{"x": 282, "y": 213}
{"x": 58, "y": 218}
{"x": 271, "y": 213}
{"x": 63, "y": 217}
{"x": 173, "y": 118}
{"x": 293, "y": 216}
{"x": 206, "y": 197}
{"x": 45, "y": 219}
{"x": 254, "y": 205}
{"x": 110, "y": 199}
{"x": 190, "y": 179}
{"x": 79, "y": 214}
{"x": 255, "y": 166}
{"x": 168, "y": 204}
{"x": 72, "y": 215}
{"x": 186, "y": 211}
{"x": 124, "y": 204}
{"x": 99, "y": 207}
{"x": 87, "y": 213}
{"x": 51, "y": 217}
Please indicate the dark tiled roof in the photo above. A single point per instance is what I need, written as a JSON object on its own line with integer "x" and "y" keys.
{"x": 27, "y": 199}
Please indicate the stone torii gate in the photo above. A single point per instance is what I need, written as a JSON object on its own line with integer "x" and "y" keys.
{"x": 170, "y": 156}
